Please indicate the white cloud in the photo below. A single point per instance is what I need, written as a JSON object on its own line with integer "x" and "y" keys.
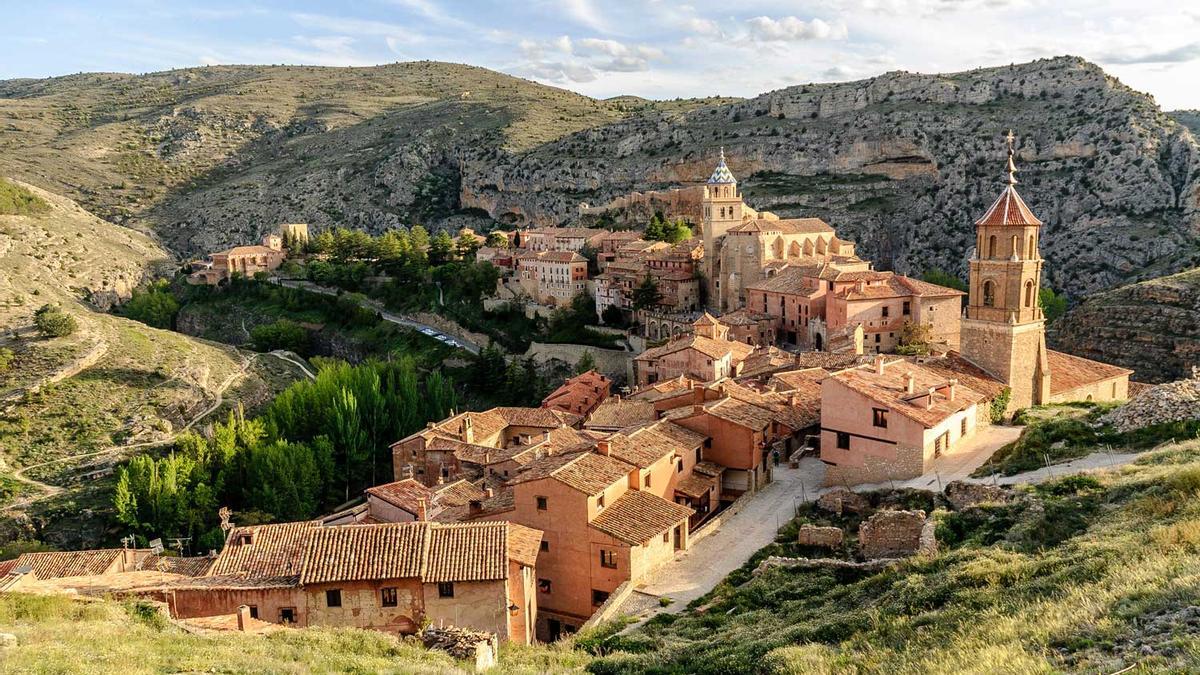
{"x": 793, "y": 29}
{"x": 363, "y": 27}
{"x": 564, "y": 60}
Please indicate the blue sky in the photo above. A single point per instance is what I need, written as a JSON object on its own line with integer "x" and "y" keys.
{"x": 651, "y": 48}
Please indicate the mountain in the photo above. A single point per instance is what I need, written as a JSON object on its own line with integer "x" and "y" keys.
{"x": 1152, "y": 327}
{"x": 902, "y": 163}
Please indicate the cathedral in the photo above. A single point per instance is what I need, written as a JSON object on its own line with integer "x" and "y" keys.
{"x": 743, "y": 246}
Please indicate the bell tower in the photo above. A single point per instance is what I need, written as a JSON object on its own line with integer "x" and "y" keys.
{"x": 1004, "y": 331}
{"x": 722, "y": 209}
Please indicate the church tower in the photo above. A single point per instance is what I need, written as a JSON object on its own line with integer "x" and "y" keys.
{"x": 722, "y": 209}
{"x": 1004, "y": 331}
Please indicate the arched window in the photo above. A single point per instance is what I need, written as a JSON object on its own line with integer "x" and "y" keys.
{"x": 989, "y": 293}
{"x": 1029, "y": 294}
{"x": 1029, "y": 253}
{"x": 1015, "y": 246}
{"x": 992, "y": 246}
{"x": 820, "y": 246}
{"x": 777, "y": 248}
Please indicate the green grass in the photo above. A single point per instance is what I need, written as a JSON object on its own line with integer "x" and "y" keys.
{"x": 17, "y": 201}
{"x": 1065, "y": 578}
{"x": 1058, "y": 433}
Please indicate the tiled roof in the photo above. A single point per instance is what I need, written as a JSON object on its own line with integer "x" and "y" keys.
{"x": 695, "y": 485}
{"x": 468, "y": 552}
{"x": 580, "y": 393}
{"x": 801, "y": 379}
{"x": 51, "y": 565}
{"x": 618, "y": 413}
{"x": 664, "y": 389}
{"x": 785, "y": 226}
{"x": 1009, "y": 209}
{"x": 766, "y": 360}
{"x": 740, "y": 412}
{"x": 523, "y": 544}
{"x": 642, "y": 447}
{"x": 561, "y": 257}
{"x": 889, "y": 389}
{"x": 683, "y": 437}
{"x": 637, "y": 516}
{"x": 709, "y": 347}
{"x": 1069, "y": 372}
{"x": 586, "y": 471}
{"x": 274, "y": 551}
{"x": 721, "y": 175}
{"x": 709, "y": 468}
{"x": 188, "y": 567}
{"x": 408, "y": 494}
{"x": 457, "y": 493}
{"x": 795, "y": 280}
{"x": 743, "y": 317}
{"x": 895, "y": 286}
{"x": 249, "y": 250}
{"x": 953, "y": 366}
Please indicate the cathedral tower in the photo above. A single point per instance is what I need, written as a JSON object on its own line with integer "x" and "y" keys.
{"x": 722, "y": 208}
{"x": 1004, "y": 331}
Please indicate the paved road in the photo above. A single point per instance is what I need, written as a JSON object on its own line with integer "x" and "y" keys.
{"x": 384, "y": 314}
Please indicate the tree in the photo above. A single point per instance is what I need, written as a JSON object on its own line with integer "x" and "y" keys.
{"x": 914, "y": 339}
{"x": 613, "y": 316}
{"x": 6, "y": 359}
{"x": 654, "y": 229}
{"x": 943, "y": 278}
{"x": 466, "y": 246}
{"x": 322, "y": 243}
{"x": 676, "y": 232}
{"x": 282, "y": 334}
{"x": 153, "y": 305}
{"x": 441, "y": 248}
{"x": 52, "y": 321}
{"x": 586, "y": 362}
{"x": 646, "y": 294}
{"x": 1054, "y": 305}
{"x": 419, "y": 237}
{"x": 496, "y": 240}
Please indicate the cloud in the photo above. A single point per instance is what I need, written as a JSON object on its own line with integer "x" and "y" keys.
{"x": 793, "y": 29}
{"x": 362, "y": 27}
{"x": 585, "y": 13}
{"x": 565, "y": 60}
{"x": 1181, "y": 54}
{"x": 702, "y": 26}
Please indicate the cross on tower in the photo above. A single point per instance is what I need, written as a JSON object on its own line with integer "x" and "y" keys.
{"x": 1012, "y": 167}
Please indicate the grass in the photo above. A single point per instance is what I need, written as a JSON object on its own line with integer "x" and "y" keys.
{"x": 1048, "y": 583}
{"x": 1058, "y": 433}
{"x": 17, "y": 201}
{"x": 58, "y": 634}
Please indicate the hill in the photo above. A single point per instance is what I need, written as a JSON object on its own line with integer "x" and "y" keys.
{"x": 77, "y": 403}
{"x": 1152, "y": 327}
{"x": 902, "y": 163}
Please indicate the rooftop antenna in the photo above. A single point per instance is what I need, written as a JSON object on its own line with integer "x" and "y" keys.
{"x": 226, "y": 525}
{"x": 156, "y": 546}
{"x": 177, "y": 543}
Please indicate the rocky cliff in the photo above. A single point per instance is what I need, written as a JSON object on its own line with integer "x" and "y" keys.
{"x": 902, "y": 163}
{"x": 1152, "y": 327}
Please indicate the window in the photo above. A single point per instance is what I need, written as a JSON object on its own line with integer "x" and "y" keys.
{"x": 698, "y": 460}
{"x": 666, "y": 537}
{"x": 646, "y": 481}
{"x": 245, "y": 539}
{"x": 989, "y": 294}
{"x": 333, "y": 597}
{"x": 877, "y": 336}
{"x": 963, "y": 427}
{"x": 287, "y": 615}
{"x": 600, "y": 502}
{"x": 679, "y": 466}
{"x": 544, "y": 546}
{"x": 253, "y": 611}
{"x": 608, "y": 558}
{"x": 541, "y": 503}
{"x": 906, "y": 308}
{"x": 1029, "y": 294}
{"x": 843, "y": 440}
{"x": 879, "y": 417}
{"x": 598, "y": 597}
{"x": 992, "y": 246}
{"x": 445, "y": 589}
{"x": 543, "y": 585}
{"x": 885, "y": 310}
{"x": 387, "y": 597}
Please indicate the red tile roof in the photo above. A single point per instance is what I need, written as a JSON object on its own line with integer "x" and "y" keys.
{"x": 408, "y": 494}
{"x": 1009, "y": 209}
{"x": 580, "y": 394}
{"x": 586, "y": 471}
{"x": 1069, "y": 372}
{"x": 274, "y": 552}
{"x": 638, "y": 516}
{"x": 890, "y": 390}
{"x": 55, "y": 564}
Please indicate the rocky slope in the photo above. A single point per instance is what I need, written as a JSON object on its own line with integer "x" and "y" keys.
{"x": 903, "y": 162}
{"x": 1152, "y": 327}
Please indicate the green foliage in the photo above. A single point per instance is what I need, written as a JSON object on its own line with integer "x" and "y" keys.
{"x": 153, "y": 305}
{"x": 944, "y": 278}
{"x": 16, "y": 547}
{"x": 646, "y": 294}
{"x": 660, "y": 229}
{"x": 281, "y": 334}
{"x": 6, "y": 359}
{"x": 613, "y": 316}
{"x": 1000, "y": 405}
{"x": 52, "y": 321}
{"x": 17, "y": 201}
{"x": 570, "y": 325}
{"x": 1054, "y": 306}
{"x": 466, "y": 246}
{"x": 496, "y": 240}
{"x": 441, "y": 248}
{"x": 914, "y": 339}
{"x": 586, "y": 362}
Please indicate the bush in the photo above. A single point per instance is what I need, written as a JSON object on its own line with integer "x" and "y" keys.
{"x": 6, "y": 359}
{"x": 154, "y": 305}
{"x": 283, "y": 334}
{"x": 52, "y": 321}
{"x": 17, "y": 201}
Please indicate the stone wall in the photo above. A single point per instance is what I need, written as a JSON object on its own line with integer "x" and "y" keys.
{"x": 891, "y": 534}
{"x": 813, "y": 535}
{"x": 610, "y": 362}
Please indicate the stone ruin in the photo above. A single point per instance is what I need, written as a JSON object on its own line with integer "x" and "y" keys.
{"x": 462, "y": 643}
{"x": 1169, "y": 402}
{"x": 840, "y": 500}
{"x": 962, "y": 495}
{"x": 814, "y": 535}
{"x": 896, "y": 534}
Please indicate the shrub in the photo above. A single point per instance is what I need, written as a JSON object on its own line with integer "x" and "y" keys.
{"x": 154, "y": 305}
{"x": 1000, "y": 404}
{"x": 17, "y": 201}
{"x": 6, "y": 359}
{"x": 283, "y": 334}
{"x": 52, "y": 321}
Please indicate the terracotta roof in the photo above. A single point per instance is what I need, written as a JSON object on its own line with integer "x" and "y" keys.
{"x": 523, "y": 544}
{"x": 468, "y": 552}
{"x": 709, "y": 468}
{"x": 249, "y": 250}
{"x": 682, "y": 436}
{"x": 801, "y": 379}
{"x": 765, "y": 360}
{"x": 953, "y": 365}
{"x": 580, "y": 393}
{"x": 664, "y": 389}
{"x": 456, "y": 493}
{"x": 1069, "y": 372}
{"x": 643, "y": 447}
{"x": 638, "y": 516}
{"x": 784, "y": 226}
{"x": 274, "y": 552}
{"x": 895, "y": 286}
{"x": 561, "y": 257}
{"x": 709, "y": 347}
{"x": 408, "y": 494}
{"x": 889, "y": 389}
{"x": 740, "y": 412}
{"x": 188, "y": 567}
{"x": 695, "y": 485}
{"x": 588, "y": 472}
{"x": 793, "y": 280}
{"x": 54, "y": 564}
{"x": 1009, "y": 209}
{"x": 618, "y": 413}
{"x": 743, "y": 317}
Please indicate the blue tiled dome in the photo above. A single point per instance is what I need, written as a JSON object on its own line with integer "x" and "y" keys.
{"x": 721, "y": 174}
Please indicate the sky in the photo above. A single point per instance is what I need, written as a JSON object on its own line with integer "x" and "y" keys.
{"x": 650, "y": 48}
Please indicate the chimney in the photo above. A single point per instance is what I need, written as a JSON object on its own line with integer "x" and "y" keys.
{"x": 243, "y": 617}
{"x": 929, "y": 398}
{"x": 603, "y": 447}
{"x": 441, "y": 479}
{"x": 879, "y": 364}
{"x": 698, "y": 394}
{"x": 475, "y": 507}
{"x": 468, "y": 430}
{"x": 422, "y": 513}
{"x": 953, "y": 385}
{"x": 794, "y": 399}
{"x": 909, "y": 383}
{"x": 488, "y": 493}
{"x": 860, "y": 286}
{"x": 617, "y": 398}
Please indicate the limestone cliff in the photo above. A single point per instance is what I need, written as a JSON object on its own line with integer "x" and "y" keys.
{"x": 1152, "y": 327}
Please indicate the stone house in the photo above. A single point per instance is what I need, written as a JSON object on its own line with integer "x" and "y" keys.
{"x": 552, "y": 278}
{"x": 570, "y": 239}
{"x": 891, "y": 420}
{"x": 707, "y": 354}
{"x": 579, "y": 395}
{"x": 388, "y": 577}
{"x": 244, "y": 260}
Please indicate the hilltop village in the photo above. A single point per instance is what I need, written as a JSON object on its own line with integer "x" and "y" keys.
{"x": 766, "y": 339}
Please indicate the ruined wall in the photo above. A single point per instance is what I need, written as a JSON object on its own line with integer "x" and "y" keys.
{"x": 891, "y": 534}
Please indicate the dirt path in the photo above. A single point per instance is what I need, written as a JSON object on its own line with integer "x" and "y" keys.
{"x": 295, "y": 360}
{"x": 48, "y": 490}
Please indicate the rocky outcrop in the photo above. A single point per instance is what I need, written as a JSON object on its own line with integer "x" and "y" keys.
{"x": 1170, "y": 402}
{"x": 1152, "y": 327}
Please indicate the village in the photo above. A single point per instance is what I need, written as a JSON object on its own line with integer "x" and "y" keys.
{"x": 769, "y": 361}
